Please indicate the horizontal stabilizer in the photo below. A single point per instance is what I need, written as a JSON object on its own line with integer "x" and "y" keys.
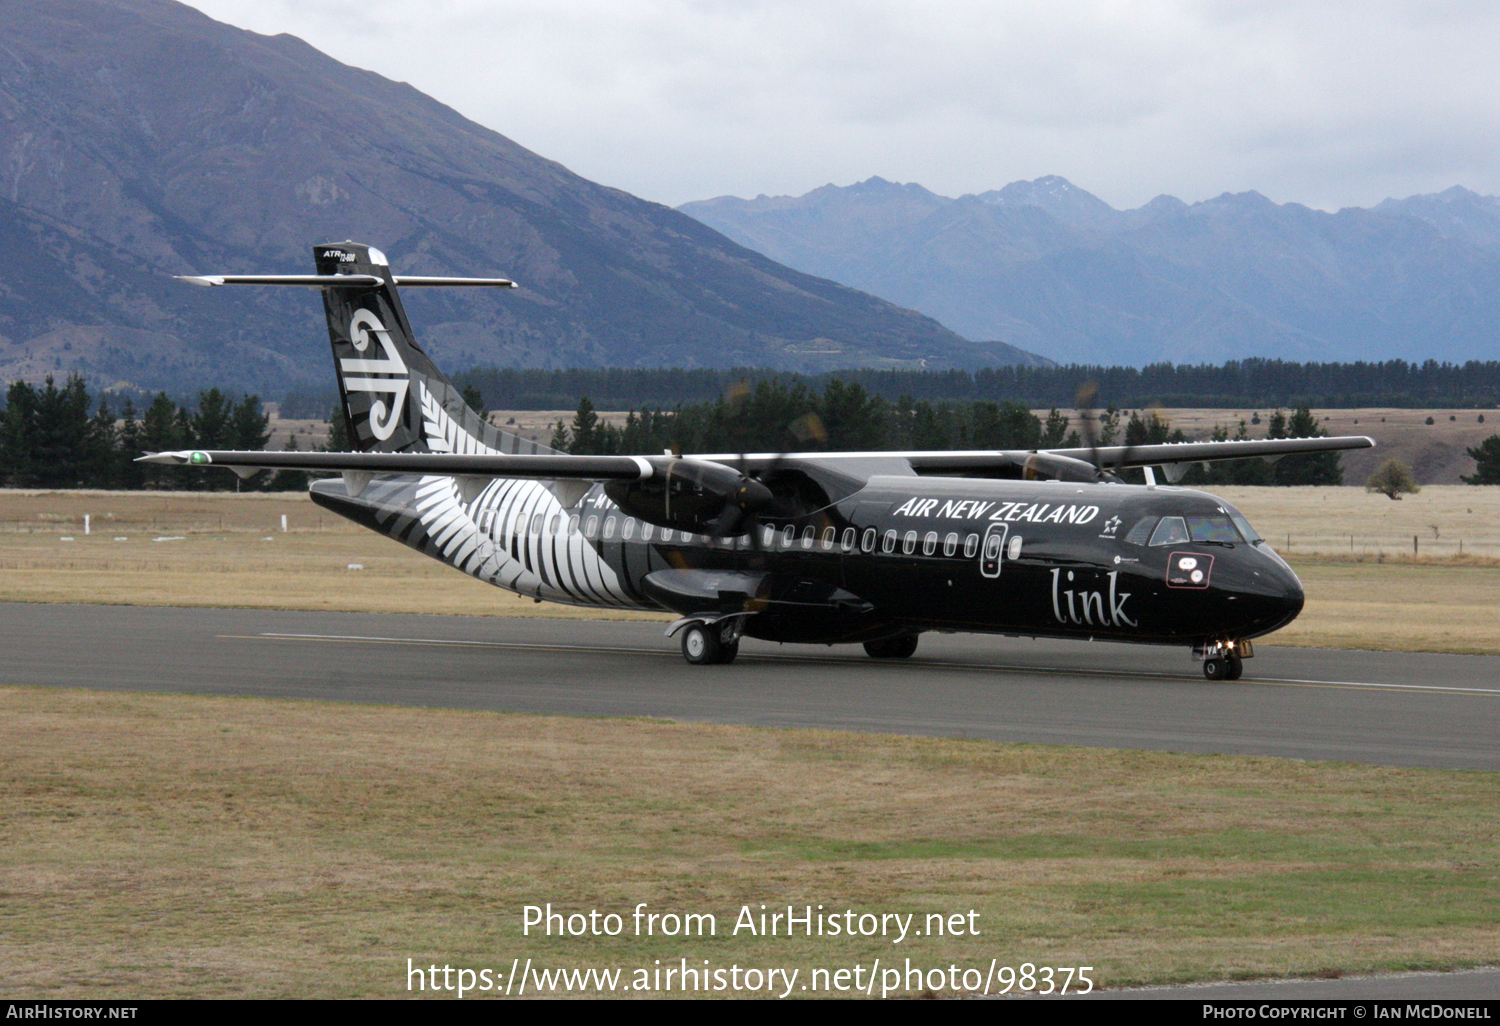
{"x": 588, "y": 468}
{"x": 324, "y": 281}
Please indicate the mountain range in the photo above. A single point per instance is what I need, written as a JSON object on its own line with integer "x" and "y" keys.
{"x": 140, "y": 139}
{"x": 1049, "y": 267}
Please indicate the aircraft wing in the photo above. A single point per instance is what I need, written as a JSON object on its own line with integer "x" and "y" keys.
{"x": 640, "y": 468}
{"x": 1206, "y": 452}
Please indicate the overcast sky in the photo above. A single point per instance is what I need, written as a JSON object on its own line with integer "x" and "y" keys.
{"x": 1320, "y": 102}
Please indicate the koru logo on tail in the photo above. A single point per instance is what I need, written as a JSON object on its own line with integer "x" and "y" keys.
{"x": 387, "y": 375}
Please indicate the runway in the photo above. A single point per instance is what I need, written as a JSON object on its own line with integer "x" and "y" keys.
{"x": 1385, "y": 708}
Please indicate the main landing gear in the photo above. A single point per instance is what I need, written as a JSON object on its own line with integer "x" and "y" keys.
{"x": 707, "y": 643}
{"x": 900, "y": 647}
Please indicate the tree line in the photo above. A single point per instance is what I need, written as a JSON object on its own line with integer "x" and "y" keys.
{"x": 56, "y": 436}
{"x": 780, "y": 415}
{"x": 1238, "y": 384}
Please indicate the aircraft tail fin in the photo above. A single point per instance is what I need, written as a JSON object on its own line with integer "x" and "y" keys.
{"x": 394, "y": 397}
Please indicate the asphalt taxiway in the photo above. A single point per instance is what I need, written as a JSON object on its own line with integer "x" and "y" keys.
{"x": 1404, "y": 709}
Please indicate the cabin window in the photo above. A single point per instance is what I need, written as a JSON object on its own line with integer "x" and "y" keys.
{"x": 627, "y": 529}
{"x": 768, "y": 537}
{"x": 666, "y": 534}
{"x": 591, "y": 528}
{"x": 971, "y": 546}
{"x": 573, "y": 524}
{"x": 1141, "y": 531}
{"x": 647, "y": 530}
{"x": 808, "y": 534}
{"x": 950, "y": 544}
{"x": 909, "y": 543}
{"x": 555, "y": 524}
{"x": 1015, "y": 546}
{"x": 536, "y": 524}
{"x": 929, "y": 543}
{"x": 847, "y": 541}
{"x": 1171, "y": 531}
{"x": 828, "y": 536}
{"x": 889, "y": 544}
{"x": 867, "y": 540}
{"x": 609, "y": 527}
{"x": 687, "y": 537}
{"x": 788, "y": 537}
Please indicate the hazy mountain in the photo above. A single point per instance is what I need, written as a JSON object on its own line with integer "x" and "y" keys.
{"x": 140, "y": 139}
{"x": 1052, "y": 268}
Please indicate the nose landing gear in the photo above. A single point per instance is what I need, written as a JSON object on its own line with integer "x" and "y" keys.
{"x": 1224, "y": 660}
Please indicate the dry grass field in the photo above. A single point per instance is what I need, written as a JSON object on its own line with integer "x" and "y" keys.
{"x": 171, "y": 846}
{"x": 229, "y": 550}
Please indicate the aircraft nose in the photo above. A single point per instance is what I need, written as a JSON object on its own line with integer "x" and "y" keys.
{"x": 1286, "y": 593}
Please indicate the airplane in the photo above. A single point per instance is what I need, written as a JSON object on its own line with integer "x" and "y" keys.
{"x": 805, "y": 547}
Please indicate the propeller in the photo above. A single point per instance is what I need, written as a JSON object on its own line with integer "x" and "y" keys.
{"x": 1085, "y": 401}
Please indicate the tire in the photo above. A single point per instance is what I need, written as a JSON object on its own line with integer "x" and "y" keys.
{"x": 1235, "y": 668}
{"x": 900, "y": 647}
{"x": 1216, "y": 668}
{"x": 903, "y": 647}
{"x": 701, "y": 645}
{"x": 728, "y": 652}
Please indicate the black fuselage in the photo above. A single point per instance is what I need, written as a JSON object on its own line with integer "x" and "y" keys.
{"x": 901, "y": 554}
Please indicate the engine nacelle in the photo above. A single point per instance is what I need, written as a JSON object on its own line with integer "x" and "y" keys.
{"x": 691, "y": 495}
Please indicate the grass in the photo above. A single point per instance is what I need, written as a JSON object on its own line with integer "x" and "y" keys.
{"x": 167, "y": 846}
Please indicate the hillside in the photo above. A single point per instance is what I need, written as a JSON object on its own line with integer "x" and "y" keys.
{"x": 1052, "y": 268}
{"x": 141, "y": 139}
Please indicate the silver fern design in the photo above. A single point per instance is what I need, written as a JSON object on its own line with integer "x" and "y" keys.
{"x": 515, "y": 534}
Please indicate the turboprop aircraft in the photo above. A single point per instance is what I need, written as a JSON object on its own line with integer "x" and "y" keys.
{"x": 812, "y": 547}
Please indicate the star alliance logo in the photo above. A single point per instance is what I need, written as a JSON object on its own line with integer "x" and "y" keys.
{"x": 1110, "y": 527}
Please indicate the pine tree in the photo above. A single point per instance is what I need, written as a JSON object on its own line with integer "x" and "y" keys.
{"x": 249, "y": 425}
{"x": 129, "y": 473}
{"x": 103, "y": 465}
{"x": 61, "y": 441}
{"x": 213, "y": 424}
{"x": 163, "y": 430}
{"x": 1487, "y": 456}
{"x": 1316, "y": 469}
{"x": 18, "y": 436}
{"x": 585, "y": 433}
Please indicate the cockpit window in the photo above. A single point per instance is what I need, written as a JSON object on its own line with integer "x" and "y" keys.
{"x": 1249, "y": 532}
{"x": 1171, "y": 531}
{"x": 1216, "y": 528}
{"x": 1141, "y": 531}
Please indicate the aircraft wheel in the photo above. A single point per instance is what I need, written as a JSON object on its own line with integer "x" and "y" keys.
{"x": 1216, "y": 668}
{"x": 701, "y": 645}
{"x": 1235, "y": 668}
{"x": 900, "y": 647}
{"x": 903, "y": 647}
